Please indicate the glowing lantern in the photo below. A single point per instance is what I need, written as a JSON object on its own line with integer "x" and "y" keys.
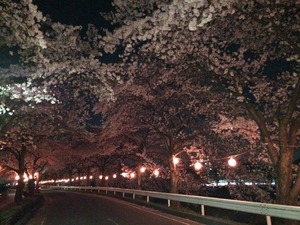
{"x": 197, "y": 166}
{"x": 132, "y": 175}
{"x": 232, "y": 162}
{"x": 175, "y": 160}
{"x": 143, "y": 169}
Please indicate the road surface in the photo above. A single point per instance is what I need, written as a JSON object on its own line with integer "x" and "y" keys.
{"x": 71, "y": 208}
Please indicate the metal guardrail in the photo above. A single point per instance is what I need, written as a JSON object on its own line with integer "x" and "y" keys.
{"x": 269, "y": 210}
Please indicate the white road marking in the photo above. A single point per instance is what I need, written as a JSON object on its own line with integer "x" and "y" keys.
{"x": 43, "y": 221}
{"x": 110, "y": 220}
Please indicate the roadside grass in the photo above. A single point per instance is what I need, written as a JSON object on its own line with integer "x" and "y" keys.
{"x": 19, "y": 213}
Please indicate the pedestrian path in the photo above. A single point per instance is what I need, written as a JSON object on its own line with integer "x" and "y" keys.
{"x": 9, "y": 200}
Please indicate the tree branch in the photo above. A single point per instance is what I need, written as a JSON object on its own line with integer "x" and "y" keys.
{"x": 260, "y": 121}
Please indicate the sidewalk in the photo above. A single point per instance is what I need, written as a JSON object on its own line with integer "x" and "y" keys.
{"x": 9, "y": 200}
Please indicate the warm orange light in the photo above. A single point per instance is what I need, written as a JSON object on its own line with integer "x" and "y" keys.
{"x": 124, "y": 174}
{"x": 232, "y": 162}
{"x": 175, "y": 160}
{"x": 143, "y": 169}
{"x": 156, "y": 172}
{"x": 197, "y": 166}
{"x": 132, "y": 175}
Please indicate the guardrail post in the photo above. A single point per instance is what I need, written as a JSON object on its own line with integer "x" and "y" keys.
{"x": 147, "y": 199}
{"x": 269, "y": 221}
{"x": 202, "y": 210}
{"x": 106, "y": 191}
{"x": 114, "y": 192}
{"x": 98, "y": 190}
{"x": 169, "y": 202}
{"x": 123, "y": 194}
{"x": 133, "y": 196}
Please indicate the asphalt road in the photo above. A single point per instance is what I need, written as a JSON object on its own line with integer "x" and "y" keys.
{"x": 71, "y": 208}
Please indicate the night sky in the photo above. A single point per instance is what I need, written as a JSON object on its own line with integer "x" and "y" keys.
{"x": 75, "y": 12}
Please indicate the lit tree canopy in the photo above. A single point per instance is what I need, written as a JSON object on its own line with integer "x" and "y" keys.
{"x": 250, "y": 48}
{"x": 232, "y": 65}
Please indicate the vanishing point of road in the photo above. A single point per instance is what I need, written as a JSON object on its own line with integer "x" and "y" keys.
{"x": 73, "y": 208}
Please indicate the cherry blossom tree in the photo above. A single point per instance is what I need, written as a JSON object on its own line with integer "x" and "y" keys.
{"x": 152, "y": 101}
{"x": 21, "y": 25}
{"x": 58, "y": 66}
{"x": 239, "y": 45}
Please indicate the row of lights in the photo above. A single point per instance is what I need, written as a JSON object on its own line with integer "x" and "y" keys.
{"x": 131, "y": 175}
{"x": 197, "y": 166}
{"x": 25, "y": 177}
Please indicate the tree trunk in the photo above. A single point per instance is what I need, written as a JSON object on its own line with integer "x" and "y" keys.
{"x": 174, "y": 179}
{"x": 19, "y": 190}
{"x": 88, "y": 183}
{"x": 139, "y": 178}
{"x": 284, "y": 184}
{"x": 21, "y": 170}
{"x": 287, "y": 189}
{"x": 284, "y": 180}
{"x": 31, "y": 187}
